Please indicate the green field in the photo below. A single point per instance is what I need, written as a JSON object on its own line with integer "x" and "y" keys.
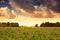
{"x": 25, "y": 33}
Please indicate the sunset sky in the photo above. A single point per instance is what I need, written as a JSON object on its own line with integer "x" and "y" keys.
{"x": 29, "y": 12}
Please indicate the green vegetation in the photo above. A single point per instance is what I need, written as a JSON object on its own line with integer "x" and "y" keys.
{"x": 25, "y": 33}
{"x": 36, "y": 25}
{"x": 4, "y": 24}
{"x": 48, "y": 24}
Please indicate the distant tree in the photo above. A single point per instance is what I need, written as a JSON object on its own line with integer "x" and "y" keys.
{"x": 36, "y": 25}
{"x": 4, "y": 24}
{"x": 8, "y": 23}
{"x": 42, "y": 25}
{"x": 47, "y": 24}
{"x": 57, "y": 24}
{"x": 14, "y": 24}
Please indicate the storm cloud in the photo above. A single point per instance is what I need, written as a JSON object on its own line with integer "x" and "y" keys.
{"x": 28, "y": 7}
{"x": 54, "y": 5}
{"x": 24, "y": 4}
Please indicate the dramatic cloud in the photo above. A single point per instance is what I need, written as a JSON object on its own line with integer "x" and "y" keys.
{"x": 7, "y": 13}
{"x": 38, "y": 12}
{"x": 53, "y": 5}
{"x": 24, "y": 4}
{"x": 27, "y": 5}
{"x": 29, "y": 13}
{"x": 43, "y": 12}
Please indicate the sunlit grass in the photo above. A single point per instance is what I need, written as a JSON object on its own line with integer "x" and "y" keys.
{"x": 30, "y": 33}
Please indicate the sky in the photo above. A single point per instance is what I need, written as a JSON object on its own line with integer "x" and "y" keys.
{"x": 29, "y": 12}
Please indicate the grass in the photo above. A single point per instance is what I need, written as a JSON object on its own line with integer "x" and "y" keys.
{"x": 26, "y": 33}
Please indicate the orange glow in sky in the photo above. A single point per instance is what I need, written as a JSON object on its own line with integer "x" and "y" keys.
{"x": 25, "y": 20}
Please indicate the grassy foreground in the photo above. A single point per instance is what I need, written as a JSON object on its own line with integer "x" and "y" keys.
{"x": 25, "y": 33}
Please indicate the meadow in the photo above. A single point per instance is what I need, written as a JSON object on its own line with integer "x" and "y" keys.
{"x": 29, "y": 33}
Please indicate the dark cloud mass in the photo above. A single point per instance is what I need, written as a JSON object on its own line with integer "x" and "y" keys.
{"x": 25, "y": 4}
{"x": 31, "y": 7}
{"x": 28, "y": 5}
{"x": 53, "y": 5}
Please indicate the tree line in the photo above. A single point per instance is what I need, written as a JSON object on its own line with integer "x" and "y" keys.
{"x": 4, "y": 24}
{"x": 48, "y": 24}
